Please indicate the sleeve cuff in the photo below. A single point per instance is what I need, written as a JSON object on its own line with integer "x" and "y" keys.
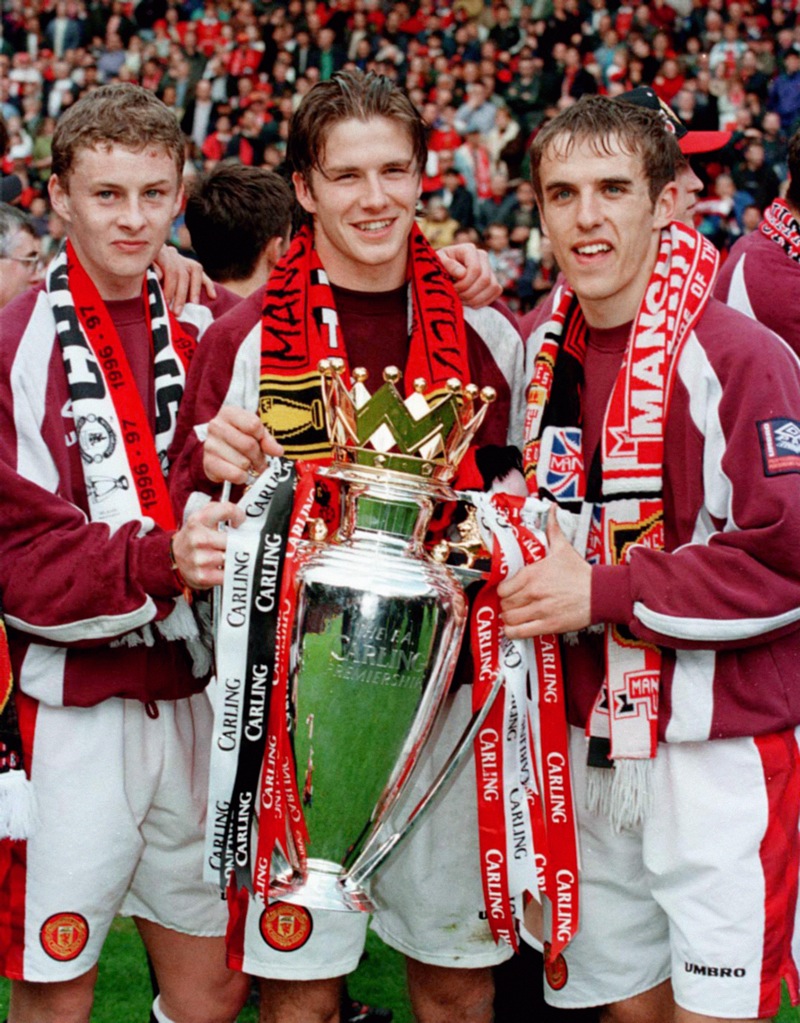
{"x": 611, "y": 594}
{"x": 154, "y": 572}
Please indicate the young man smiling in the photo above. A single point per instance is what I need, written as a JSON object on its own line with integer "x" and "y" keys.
{"x": 360, "y": 283}
{"x": 95, "y": 577}
{"x": 680, "y": 595}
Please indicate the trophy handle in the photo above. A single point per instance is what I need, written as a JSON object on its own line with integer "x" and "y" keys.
{"x": 377, "y": 849}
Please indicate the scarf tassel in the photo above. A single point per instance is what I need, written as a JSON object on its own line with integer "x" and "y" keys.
{"x": 624, "y": 794}
{"x": 180, "y": 624}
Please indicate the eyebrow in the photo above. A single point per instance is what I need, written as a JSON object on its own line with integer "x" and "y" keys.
{"x": 604, "y": 182}
{"x": 125, "y": 185}
{"x": 349, "y": 168}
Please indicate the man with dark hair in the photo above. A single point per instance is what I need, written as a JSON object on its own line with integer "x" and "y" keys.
{"x": 761, "y": 276}
{"x": 239, "y": 219}
{"x": 357, "y": 149}
{"x": 672, "y": 529}
{"x": 20, "y": 259}
{"x": 689, "y": 185}
{"x": 95, "y": 579}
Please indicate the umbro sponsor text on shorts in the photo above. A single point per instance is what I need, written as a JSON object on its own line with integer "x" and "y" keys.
{"x": 715, "y": 971}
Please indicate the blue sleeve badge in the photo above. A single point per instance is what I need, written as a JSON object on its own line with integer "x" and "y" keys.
{"x": 780, "y": 445}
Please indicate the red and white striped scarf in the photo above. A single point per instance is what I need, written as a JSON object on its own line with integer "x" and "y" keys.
{"x": 781, "y": 226}
{"x": 629, "y": 512}
{"x": 124, "y": 462}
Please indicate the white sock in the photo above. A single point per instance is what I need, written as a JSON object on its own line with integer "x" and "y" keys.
{"x": 158, "y": 1013}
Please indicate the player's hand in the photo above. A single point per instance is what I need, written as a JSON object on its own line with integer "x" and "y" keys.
{"x": 473, "y": 279}
{"x": 551, "y": 596}
{"x": 199, "y": 546}
{"x": 237, "y": 444}
{"x": 182, "y": 279}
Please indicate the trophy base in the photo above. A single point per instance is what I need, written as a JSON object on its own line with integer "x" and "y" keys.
{"x": 323, "y": 887}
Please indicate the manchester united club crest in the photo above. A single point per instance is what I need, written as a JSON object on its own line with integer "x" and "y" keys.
{"x": 285, "y": 927}
{"x": 96, "y": 439}
{"x": 555, "y": 971}
{"x": 64, "y": 936}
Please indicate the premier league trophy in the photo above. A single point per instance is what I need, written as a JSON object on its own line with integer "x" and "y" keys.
{"x": 372, "y": 637}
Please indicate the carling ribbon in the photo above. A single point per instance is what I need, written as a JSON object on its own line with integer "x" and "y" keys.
{"x": 515, "y": 529}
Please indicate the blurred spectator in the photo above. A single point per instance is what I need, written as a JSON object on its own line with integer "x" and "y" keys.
{"x": 576, "y": 81}
{"x": 457, "y": 198}
{"x": 756, "y": 183}
{"x": 522, "y": 214}
{"x": 477, "y": 113}
{"x": 438, "y": 225}
{"x": 64, "y": 31}
{"x": 784, "y": 93}
{"x": 528, "y": 94}
{"x": 715, "y": 216}
{"x": 505, "y": 261}
{"x": 751, "y": 218}
{"x": 474, "y": 164}
{"x": 20, "y": 258}
{"x": 505, "y": 142}
{"x": 199, "y": 117}
{"x": 497, "y": 207}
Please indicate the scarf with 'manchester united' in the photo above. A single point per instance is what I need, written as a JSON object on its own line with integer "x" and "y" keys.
{"x": 623, "y": 507}
{"x": 300, "y": 327}
{"x": 781, "y": 226}
{"x": 124, "y": 461}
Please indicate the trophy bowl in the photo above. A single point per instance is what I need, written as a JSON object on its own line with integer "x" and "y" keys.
{"x": 378, "y": 627}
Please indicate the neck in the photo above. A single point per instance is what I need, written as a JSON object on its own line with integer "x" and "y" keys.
{"x": 357, "y": 276}
{"x": 243, "y": 288}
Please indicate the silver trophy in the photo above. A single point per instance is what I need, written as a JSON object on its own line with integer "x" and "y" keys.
{"x": 376, "y": 634}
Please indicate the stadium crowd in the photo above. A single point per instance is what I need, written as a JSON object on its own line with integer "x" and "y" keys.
{"x": 484, "y": 75}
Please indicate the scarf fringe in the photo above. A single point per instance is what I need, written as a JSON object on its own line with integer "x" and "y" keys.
{"x": 135, "y": 638}
{"x": 181, "y": 624}
{"x": 18, "y": 811}
{"x": 623, "y": 794}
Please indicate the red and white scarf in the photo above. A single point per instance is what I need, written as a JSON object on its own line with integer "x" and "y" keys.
{"x": 781, "y": 226}
{"x": 300, "y": 327}
{"x": 629, "y": 511}
{"x": 124, "y": 462}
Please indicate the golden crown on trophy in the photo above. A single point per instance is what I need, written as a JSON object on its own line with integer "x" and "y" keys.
{"x": 420, "y": 435}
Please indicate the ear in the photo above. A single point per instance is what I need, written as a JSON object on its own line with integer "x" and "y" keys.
{"x": 666, "y": 205}
{"x": 303, "y": 193}
{"x": 59, "y": 197}
{"x": 274, "y": 250}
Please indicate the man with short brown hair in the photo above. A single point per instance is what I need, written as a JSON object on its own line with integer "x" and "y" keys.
{"x": 661, "y": 443}
{"x": 96, "y": 581}
{"x": 361, "y": 283}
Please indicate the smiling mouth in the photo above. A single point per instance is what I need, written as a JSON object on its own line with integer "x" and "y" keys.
{"x": 374, "y": 225}
{"x": 596, "y": 249}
